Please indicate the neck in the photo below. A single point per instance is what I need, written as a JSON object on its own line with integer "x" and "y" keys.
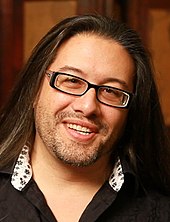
{"x": 49, "y": 169}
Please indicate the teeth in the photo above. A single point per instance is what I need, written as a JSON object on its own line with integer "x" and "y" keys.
{"x": 82, "y": 130}
{"x": 84, "y": 133}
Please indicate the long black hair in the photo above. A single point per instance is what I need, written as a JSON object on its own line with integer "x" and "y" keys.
{"x": 145, "y": 141}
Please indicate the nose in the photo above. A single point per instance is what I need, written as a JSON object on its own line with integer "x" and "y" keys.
{"x": 87, "y": 103}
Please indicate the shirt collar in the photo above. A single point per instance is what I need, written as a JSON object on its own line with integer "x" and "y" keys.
{"x": 22, "y": 172}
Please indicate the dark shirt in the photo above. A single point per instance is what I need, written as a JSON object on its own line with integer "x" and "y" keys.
{"x": 130, "y": 204}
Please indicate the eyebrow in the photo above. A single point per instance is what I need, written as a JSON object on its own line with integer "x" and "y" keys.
{"x": 106, "y": 80}
{"x": 70, "y": 68}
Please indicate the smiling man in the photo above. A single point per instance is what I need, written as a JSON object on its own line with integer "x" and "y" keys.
{"x": 86, "y": 141}
{"x": 81, "y": 129}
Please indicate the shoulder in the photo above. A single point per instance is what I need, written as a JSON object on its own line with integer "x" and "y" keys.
{"x": 158, "y": 199}
{"x": 141, "y": 203}
{"x": 5, "y": 184}
{"x": 153, "y": 204}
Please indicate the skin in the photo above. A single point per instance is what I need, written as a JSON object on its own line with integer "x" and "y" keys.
{"x": 66, "y": 163}
{"x": 85, "y": 56}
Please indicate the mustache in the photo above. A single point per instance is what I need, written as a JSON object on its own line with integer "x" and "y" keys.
{"x": 94, "y": 120}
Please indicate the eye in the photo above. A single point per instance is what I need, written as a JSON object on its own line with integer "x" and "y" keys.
{"x": 67, "y": 82}
{"x": 112, "y": 92}
{"x": 72, "y": 81}
{"x": 109, "y": 90}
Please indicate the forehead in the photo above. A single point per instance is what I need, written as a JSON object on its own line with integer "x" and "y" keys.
{"x": 96, "y": 56}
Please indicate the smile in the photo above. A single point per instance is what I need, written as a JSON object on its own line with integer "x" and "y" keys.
{"x": 82, "y": 130}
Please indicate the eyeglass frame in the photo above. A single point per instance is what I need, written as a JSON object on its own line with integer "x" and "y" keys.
{"x": 52, "y": 75}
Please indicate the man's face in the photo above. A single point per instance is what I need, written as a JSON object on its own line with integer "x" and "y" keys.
{"x": 79, "y": 130}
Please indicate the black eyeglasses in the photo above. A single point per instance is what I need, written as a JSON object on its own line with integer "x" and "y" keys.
{"x": 77, "y": 86}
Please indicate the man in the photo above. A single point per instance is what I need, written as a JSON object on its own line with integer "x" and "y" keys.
{"x": 82, "y": 137}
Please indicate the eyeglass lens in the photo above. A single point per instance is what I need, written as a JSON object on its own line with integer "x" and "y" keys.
{"x": 77, "y": 86}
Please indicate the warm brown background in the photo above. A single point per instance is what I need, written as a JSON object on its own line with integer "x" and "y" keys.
{"x": 24, "y": 22}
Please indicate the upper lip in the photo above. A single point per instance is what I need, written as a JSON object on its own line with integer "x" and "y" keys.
{"x": 89, "y": 126}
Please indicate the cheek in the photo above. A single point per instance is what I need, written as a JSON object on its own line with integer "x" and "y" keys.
{"x": 51, "y": 101}
{"x": 54, "y": 100}
{"x": 116, "y": 119}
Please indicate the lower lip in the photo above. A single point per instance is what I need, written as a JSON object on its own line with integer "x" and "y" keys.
{"x": 79, "y": 137}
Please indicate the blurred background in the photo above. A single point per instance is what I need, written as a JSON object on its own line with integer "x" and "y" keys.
{"x": 24, "y": 22}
